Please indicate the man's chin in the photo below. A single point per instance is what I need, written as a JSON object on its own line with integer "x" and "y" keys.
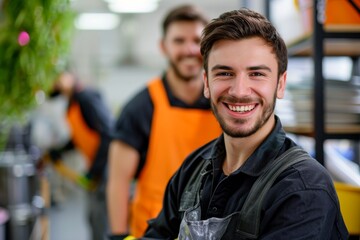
{"x": 189, "y": 76}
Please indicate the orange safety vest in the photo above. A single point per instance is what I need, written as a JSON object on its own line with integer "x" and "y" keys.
{"x": 85, "y": 139}
{"x": 175, "y": 133}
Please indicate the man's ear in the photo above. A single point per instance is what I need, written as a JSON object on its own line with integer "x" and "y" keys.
{"x": 162, "y": 46}
{"x": 281, "y": 86}
{"x": 206, "y": 85}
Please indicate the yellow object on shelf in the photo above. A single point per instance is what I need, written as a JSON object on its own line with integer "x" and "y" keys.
{"x": 349, "y": 197}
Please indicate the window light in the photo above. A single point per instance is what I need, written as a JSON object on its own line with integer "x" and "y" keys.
{"x": 132, "y": 6}
{"x": 97, "y": 21}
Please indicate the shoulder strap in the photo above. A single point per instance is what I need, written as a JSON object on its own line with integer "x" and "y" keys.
{"x": 249, "y": 217}
{"x": 157, "y": 92}
{"x": 191, "y": 192}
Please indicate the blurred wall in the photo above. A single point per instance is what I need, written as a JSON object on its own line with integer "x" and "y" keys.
{"x": 122, "y": 60}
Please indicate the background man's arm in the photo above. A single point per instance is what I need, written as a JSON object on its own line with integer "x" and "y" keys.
{"x": 123, "y": 162}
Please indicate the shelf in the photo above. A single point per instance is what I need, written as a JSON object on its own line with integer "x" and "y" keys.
{"x": 342, "y": 28}
{"x": 338, "y": 35}
{"x": 339, "y": 40}
{"x": 336, "y": 46}
{"x": 335, "y": 131}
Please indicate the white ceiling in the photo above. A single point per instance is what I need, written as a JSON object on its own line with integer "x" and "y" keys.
{"x": 136, "y": 38}
{"x": 122, "y": 60}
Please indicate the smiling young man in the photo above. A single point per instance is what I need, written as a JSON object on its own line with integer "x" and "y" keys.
{"x": 253, "y": 182}
{"x": 160, "y": 126}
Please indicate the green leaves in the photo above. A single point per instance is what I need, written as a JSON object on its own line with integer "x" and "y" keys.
{"x": 33, "y": 67}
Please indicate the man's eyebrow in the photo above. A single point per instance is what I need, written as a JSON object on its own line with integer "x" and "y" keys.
{"x": 221, "y": 67}
{"x": 251, "y": 68}
{"x": 260, "y": 67}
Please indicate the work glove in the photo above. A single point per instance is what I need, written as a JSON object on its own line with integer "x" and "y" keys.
{"x": 87, "y": 183}
{"x": 55, "y": 155}
{"x": 121, "y": 237}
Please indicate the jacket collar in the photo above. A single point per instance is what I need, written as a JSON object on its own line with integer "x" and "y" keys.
{"x": 254, "y": 165}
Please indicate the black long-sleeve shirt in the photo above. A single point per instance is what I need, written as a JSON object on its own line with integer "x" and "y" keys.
{"x": 301, "y": 204}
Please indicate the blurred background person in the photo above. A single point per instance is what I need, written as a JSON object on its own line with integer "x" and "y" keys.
{"x": 159, "y": 126}
{"x": 90, "y": 122}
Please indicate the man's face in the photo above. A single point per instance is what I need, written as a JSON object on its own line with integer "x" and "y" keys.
{"x": 242, "y": 85}
{"x": 181, "y": 46}
{"x": 64, "y": 84}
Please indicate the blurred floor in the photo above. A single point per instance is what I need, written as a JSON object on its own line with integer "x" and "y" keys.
{"x": 67, "y": 215}
{"x": 68, "y": 218}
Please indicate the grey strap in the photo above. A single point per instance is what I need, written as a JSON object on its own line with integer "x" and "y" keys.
{"x": 192, "y": 190}
{"x": 249, "y": 218}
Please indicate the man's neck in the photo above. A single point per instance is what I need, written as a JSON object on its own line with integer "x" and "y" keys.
{"x": 187, "y": 91}
{"x": 238, "y": 150}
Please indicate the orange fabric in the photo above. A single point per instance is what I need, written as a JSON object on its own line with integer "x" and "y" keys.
{"x": 342, "y": 12}
{"x": 175, "y": 133}
{"x": 84, "y": 138}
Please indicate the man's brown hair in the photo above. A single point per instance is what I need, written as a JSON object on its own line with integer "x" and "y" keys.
{"x": 183, "y": 13}
{"x": 242, "y": 24}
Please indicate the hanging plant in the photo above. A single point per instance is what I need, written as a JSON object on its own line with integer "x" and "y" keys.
{"x": 35, "y": 43}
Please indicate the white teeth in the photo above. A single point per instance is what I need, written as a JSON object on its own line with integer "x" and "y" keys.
{"x": 241, "y": 108}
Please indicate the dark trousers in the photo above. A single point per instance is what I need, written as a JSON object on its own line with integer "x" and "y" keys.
{"x": 97, "y": 213}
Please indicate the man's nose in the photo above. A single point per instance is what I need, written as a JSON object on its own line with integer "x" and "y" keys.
{"x": 192, "y": 48}
{"x": 240, "y": 86}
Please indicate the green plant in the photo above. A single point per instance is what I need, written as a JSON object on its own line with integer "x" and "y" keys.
{"x": 35, "y": 40}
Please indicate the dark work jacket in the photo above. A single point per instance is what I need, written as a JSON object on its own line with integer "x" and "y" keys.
{"x": 301, "y": 204}
{"x": 97, "y": 117}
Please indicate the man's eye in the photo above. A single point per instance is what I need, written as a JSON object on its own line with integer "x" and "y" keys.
{"x": 178, "y": 41}
{"x": 226, "y": 74}
{"x": 197, "y": 41}
{"x": 256, "y": 74}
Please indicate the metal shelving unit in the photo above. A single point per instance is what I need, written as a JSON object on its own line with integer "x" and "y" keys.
{"x": 321, "y": 35}
{"x": 329, "y": 40}
{"x": 324, "y": 41}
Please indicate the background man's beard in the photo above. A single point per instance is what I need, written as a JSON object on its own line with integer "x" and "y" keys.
{"x": 182, "y": 76}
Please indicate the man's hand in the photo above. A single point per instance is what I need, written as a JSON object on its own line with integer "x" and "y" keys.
{"x": 55, "y": 155}
{"x": 121, "y": 237}
{"x": 86, "y": 183}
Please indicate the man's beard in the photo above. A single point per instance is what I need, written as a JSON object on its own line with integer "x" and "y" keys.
{"x": 240, "y": 133}
{"x": 185, "y": 78}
